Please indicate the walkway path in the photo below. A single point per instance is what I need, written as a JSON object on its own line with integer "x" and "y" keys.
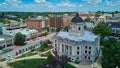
{"x": 98, "y": 61}
{"x": 4, "y": 65}
{"x": 22, "y": 49}
{"x": 37, "y": 56}
{"x": 80, "y": 65}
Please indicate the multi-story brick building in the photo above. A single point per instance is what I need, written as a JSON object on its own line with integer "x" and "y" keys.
{"x": 57, "y": 21}
{"x": 36, "y": 23}
{"x": 85, "y": 15}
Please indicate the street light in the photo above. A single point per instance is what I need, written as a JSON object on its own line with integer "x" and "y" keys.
{"x": 8, "y": 59}
{"x": 116, "y": 66}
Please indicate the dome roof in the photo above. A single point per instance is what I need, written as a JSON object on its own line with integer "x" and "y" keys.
{"x": 77, "y": 18}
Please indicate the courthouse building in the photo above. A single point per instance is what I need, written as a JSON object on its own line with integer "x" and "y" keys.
{"x": 77, "y": 43}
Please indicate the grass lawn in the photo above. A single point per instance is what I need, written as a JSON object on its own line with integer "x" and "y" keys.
{"x": 4, "y": 59}
{"x": 30, "y": 63}
{"x": 46, "y": 54}
{"x": 27, "y": 54}
{"x": 42, "y": 49}
{"x": 68, "y": 66}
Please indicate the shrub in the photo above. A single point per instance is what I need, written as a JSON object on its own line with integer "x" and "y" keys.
{"x": 77, "y": 61}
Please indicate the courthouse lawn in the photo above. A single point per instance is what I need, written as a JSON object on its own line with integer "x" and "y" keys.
{"x": 29, "y": 63}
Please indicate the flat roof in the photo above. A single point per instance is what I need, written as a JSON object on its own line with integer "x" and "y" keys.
{"x": 3, "y": 37}
{"x": 23, "y": 31}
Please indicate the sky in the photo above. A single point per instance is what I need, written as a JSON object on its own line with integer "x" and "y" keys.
{"x": 59, "y": 5}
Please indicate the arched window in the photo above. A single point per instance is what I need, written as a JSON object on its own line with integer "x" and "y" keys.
{"x": 77, "y": 48}
{"x": 78, "y": 28}
{"x": 86, "y": 47}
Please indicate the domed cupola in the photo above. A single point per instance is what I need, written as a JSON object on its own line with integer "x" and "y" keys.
{"x": 77, "y": 26}
{"x": 77, "y": 19}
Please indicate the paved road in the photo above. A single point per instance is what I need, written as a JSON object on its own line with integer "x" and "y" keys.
{"x": 29, "y": 44}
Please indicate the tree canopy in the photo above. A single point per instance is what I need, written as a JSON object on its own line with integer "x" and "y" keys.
{"x": 98, "y": 13}
{"x": 6, "y": 21}
{"x": 102, "y": 30}
{"x": 87, "y": 20}
{"x": 111, "y": 54}
{"x": 58, "y": 29}
{"x": 19, "y": 38}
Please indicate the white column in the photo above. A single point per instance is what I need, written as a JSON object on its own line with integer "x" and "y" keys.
{"x": 12, "y": 42}
{"x": 5, "y": 43}
{"x": 64, "y": 48}
{"x": 69, "y": 50}
{"x": 60, "y": 48}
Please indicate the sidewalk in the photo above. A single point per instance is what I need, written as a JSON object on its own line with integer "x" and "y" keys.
{"x": 98, "y": 61}
{"x": 4, "y": 65}
{"x": 37, "y": 56}
{"x": 80, "y": 65}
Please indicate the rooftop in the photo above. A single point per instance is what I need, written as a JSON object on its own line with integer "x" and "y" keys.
{"x": 23, "y": 31}
{"x": 3, "y": 37}
{"x": 89, "y": 25}
{"x": 114, "y": 24}
{"x": 88, "y": 36}
{"x": 77, "y": 18}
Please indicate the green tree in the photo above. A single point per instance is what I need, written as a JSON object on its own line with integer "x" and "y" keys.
{"x": 111, "y": 54}
{"x": 6, "y": 21}
{"x": 1, "y": 47}
{"x": 47, "y": 29}
{"x": 102, "y": 12}
{"x": 87, "y": 20}
{"x": 45, "y": 44}
{"x": 45, "y": 34}
{"x": 102, "y": 30}
{"x": 19, "y": 38}
{"x": 113, "y": 14}
{"x": 58, "y": 29}
{"x": 98, "y": 13}
{"x": 116, "y": 11}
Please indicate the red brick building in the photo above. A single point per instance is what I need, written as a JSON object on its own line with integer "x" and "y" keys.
{"x": 36, "y": 23}
{"x": 85, "y": 15}
{"x": 59, "y": 20}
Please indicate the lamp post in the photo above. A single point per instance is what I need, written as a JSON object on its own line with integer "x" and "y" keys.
{"x": 116, "y": 66}
{"x": 8, "y": 59}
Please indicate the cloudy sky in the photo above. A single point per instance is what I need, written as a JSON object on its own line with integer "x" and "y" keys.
{"x": 59, "y": 5}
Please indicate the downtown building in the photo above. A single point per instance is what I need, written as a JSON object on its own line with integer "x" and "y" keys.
{"x": 115, "y": 27}
{"x": 29, "y": 33}
{"x": 76, "y": 42}
{"x": 6, "y": 42}
{"x": 38, "y": 22}
{"x": 58, "y": 21}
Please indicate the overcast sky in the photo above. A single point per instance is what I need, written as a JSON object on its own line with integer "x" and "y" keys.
{"x": 59, "y": 5}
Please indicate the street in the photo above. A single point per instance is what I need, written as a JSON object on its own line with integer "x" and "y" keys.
{"x": 20, "y": 50}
